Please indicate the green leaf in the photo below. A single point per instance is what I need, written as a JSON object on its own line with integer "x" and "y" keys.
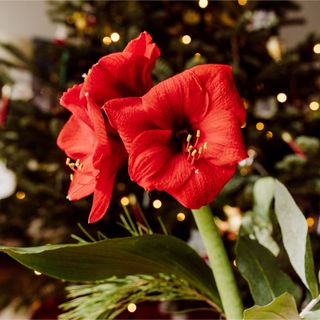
{"x": 295, "y": 237}
{"x": 259, "y": 267}
{"x": 120, "y": 257}
{"x": 263, "y": 193}
{"x": 281, "y": 308}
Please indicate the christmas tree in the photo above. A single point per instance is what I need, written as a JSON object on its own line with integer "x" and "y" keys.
{"x": 279, "y": 87}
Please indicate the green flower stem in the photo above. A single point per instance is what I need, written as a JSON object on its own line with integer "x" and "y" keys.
{"x": 219, "y": 263}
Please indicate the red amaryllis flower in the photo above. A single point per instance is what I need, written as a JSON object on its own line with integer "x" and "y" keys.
{"x": 183, "y": 136}
{"x": 87, "y": 137}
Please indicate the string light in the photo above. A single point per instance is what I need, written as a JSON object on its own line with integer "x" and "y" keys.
{"x": 260, "y": 126}
{"x": 186, "y": 39}
{"x": 125, "y": 201}
{"x": 37, "y": 273}
{"x": 203, "y": 4}
{"x": 106, "y": 40}
{"x": 314, "y": 105}
{"x": 181, "y": 216}
{"x": 235, "y": 263}
{"x": 316, "y": 48}
{"x": 269, "y": 135}
{"x": 242, "y": 2}
{"x": 197, "y": 56}
{"x": 157, "y": 204}
{"x": 115, "y": 36}
{"x": 20, "y": 195}
{"x": 281, "y": 97}
{"x": 132, "y": 307}
{"x": 310, "y": 222}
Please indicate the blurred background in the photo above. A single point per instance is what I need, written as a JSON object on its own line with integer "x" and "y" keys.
{"x": 45, "y": 47}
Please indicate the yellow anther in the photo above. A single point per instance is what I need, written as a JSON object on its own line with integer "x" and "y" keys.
{"x": 190, "y": 148}
{"x": 77, "y": 163}
{"x": 194, "y": 152}
{"x": 189, "y": 137}
{"x": 67, "y": 161}
{"x": 200, "y": 150}
{"x": 198, "y": 134}
{"x": 71, "y": 176}
{"x": 205, "y": 146}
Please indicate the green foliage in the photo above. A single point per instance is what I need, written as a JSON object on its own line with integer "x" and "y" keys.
{"x": 108, "y": 299}
{"x": 259, "y": 267}
{"x": 281, "y": 308}
{"x": 148, "y": 254}
{"x": 295, "y": 237}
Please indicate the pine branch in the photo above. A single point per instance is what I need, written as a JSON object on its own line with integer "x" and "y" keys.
{"x": 108, "y": 299}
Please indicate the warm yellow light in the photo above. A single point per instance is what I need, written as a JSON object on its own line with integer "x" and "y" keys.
{"x": 132, "y": 307}
{"x": 281, "y": 97}
{"x": 106, "y": 40}
{"x": 314, "y": 105}
{"x": 37, "y": 273}
{"x": 125, "y": 201}
{"x": 316, "y": 48}
{"x": 310, "y": 222}
{"x": 157, "y": 204}
{"x": 269, "y": 135}
{"x": 20, "y": 195}
{"x": 186, "y": 39}
{"x": 203, "y": 3}
{"x": 181, "y": 216}
{"x": 235, "y": 263}
{"x": 260, "y": 126}
{"x": 197, "y": 56}
{"x": 115, "y": 36}
{"x": 242, "y": 2}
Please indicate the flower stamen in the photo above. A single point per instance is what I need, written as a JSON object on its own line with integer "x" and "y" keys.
{"x": 74, "y": 165}
{"x": 189, "y": 137}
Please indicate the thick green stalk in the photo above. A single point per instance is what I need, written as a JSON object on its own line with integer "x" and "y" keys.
{"x": 219, "y": 263}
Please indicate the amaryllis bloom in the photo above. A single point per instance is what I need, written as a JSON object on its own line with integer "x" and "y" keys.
{"x": 184, "y": 135}
{"x": 87, "y": 138}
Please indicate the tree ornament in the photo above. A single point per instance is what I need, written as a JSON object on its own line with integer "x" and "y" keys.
{"x": 8, "y": 181}
{"x": 261, "y": 19}
{"x": 266, "y": 108}
{"x": 275, "y": 48}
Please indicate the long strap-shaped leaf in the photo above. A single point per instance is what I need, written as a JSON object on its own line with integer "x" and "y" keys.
{"x": 149, "y": 254}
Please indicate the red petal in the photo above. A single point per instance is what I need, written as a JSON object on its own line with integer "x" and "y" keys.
{"x": 109, "y": 166}
{"x": 155, "y": 164}
{"x": 202, "y": 187}
{"x": 220, "y": 128}
{"x": 81, "y": 186}
{"x": 78, "y": 106}
{"x": 76, "y": 139}
{"x": 123, "y": 74}
{"x": 222, "y": 90}
{"x": 143, "y": 46}
{"x": 172, "y": 104}
{"x": 101, "y": 197}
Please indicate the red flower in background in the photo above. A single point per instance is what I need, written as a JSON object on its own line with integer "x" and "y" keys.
{"x": 184, "y": 135}
{"x": 87, "y": 137}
